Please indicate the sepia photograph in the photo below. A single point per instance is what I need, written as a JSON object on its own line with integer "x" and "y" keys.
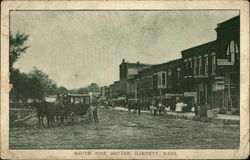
{"x": 124, "y": 79}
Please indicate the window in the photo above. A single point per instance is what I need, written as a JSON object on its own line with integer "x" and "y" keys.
{"x": 178, "y": 73}
{"x": 200, "y": 66}
{"x": 159, "y": 80}
{"x": 233, "y": 51}
{"x": 186, "y": 67}
{"x": 190, "y": 67}
{"x": 169, "y": 78}
{"x": 213, "y": 67}
{"x": 195, "y": 66}
{"x": 163, "y": 79}
{"x": 237, "y": 53}
{"x": 201, "y": 94}
{"x": 206, "y": 65}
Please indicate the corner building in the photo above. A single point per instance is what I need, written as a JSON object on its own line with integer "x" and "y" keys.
{"x": 212, "y": 70}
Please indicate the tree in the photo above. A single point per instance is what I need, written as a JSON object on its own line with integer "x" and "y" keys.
{"x": 17, "y": 47}
{"x": 62, "y": 90}
{"x": 48, "y": 86}
{"x": 21, "y": 86}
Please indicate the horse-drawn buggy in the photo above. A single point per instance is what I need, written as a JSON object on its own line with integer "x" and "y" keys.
{"x": 63, "y": 108}
{"x": 133, "y": 104}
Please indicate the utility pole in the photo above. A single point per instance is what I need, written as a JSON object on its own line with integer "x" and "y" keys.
{"x": 135, "y": 89}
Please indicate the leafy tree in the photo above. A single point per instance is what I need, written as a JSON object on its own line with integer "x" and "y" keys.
{"x": 21, "y": 86}
{"x": 82, "y": 90}
{"x": 62, "y": 90}
{"x": 48, "y": 86}
{"x": 73, "y": 91}
{"x": 17, "y": 47}
{"x": 35, "y": 88}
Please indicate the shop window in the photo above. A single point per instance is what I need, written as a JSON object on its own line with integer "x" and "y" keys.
{"x": 201, "y": 94}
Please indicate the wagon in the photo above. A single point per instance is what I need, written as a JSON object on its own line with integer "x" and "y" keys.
{"x": 79, "y": 103}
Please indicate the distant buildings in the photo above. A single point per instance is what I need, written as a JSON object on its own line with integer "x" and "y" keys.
{"x": 207, "y": 75}
{"x": 130, "y": 70}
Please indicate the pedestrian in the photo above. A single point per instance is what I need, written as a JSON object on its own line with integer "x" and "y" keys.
{"x": 179, "y": 107}
{"x": 138, "y": 107}
{"x": 166, "y": 109}
{"x": 161, "y": 108}
{"x": 196, "y": 109}
{"x": 155, "y": 109}
{"x": 151, "y": 108}
{"x": 95, "y": 114}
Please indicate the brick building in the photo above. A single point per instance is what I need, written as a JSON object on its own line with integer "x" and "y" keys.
{"x": 199, "y": 73}
{"x": 105, "y": 91}
{"x": 167, "y": 82}
{"x": 228, "y": 65}
{"x": 211, "y": 70}
{"x": 207, "y": 74}
{"x": 130, "y": 70}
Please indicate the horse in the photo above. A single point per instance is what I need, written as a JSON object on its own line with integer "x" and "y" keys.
{"x": 40, "y": 111}
{"x": 44, "y": 109}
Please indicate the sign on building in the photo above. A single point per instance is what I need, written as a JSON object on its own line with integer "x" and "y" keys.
{"x": 224, "y": 62}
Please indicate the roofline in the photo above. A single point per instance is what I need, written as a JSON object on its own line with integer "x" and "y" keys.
{"x": 169, "y": 62}
{"x": 201, "y": 45}
{"x": 226, "y": 21}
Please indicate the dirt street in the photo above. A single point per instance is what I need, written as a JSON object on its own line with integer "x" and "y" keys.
{"x": 123, "y": 130}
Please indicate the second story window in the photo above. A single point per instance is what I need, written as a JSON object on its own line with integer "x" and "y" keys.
{"x": 206, "y": 65}
{"x": 169, "y": 78}
{"x": 190, "y": 67}
{"x": 233, "y": 51}
{"x": 213, "y": 66}
{"x": 163, "y": 79}
{"x": 178, "y": 73}
{"x": 200, "y": 66}
{"x": 186, "y": 67}
{"x": 195, "y": 66}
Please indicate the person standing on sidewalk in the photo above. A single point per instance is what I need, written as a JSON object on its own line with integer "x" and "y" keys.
{"x": 95, "y": 114}
{"x": 138, "y": 104}
{"x": 155, "y": 109}
{"x": 196, "y": 109}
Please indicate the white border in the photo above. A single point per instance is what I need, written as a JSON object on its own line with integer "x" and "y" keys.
{"x": 243, "y": 6}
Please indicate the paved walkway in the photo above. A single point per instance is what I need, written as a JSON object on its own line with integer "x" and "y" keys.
{"x": 189, "y": 114}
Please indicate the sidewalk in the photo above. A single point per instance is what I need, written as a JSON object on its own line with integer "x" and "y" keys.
{"x": 190, "y": 114}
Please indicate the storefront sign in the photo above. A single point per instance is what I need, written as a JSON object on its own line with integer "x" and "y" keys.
{"x": 219, "y": 87}
{"x": 171, "y": 95}
{"x": 219, "y": 78}
{"x": 224, "y": 62}
{"x": 190, "y": 94}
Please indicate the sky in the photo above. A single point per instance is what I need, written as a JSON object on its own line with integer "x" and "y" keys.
{"x": 77, "y": 48}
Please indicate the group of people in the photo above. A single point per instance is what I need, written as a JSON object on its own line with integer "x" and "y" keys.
{"x": 155, "y": 108}
{"x": 160, "y": 108}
